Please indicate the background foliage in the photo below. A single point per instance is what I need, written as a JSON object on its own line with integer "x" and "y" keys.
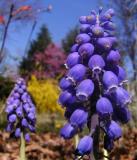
{"x": 45, "y": 95}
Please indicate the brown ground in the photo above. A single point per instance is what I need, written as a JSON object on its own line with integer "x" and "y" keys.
{"x": 51, "y": 147}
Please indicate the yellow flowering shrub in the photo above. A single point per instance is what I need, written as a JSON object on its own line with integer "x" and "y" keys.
{"x": 45, "y": 94}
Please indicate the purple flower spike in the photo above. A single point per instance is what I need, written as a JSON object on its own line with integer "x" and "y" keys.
{"x": 85, "y": 146}
{"x": 83, "y": 38}
{"x": 66, "y": 98}
{"x": 113, "y": 56}
{"x": 79, "y": 118}
{"x": 104, "y": 107}
{"x": 77, "y": 73}
{"x": 73, "y": 59}
{"x": 65, "y": 84}
{"x": 85, "y": 28}
{"x": 74, "y": 48}
{"x": 97, "y": 31}
{"x": 86, "y": 50}
{"x": 110, "y": 80}
{"x": 84, "y": 90}
{"x": 114, "y": 130}
{"x": 68, "y": 131}
{"x": 93, "y": 88}
{"x": 108, "y": 143}
{"x": 96, "y": 63}
{"x": 20, "y": 110}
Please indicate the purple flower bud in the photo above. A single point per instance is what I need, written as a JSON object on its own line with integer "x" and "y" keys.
{"x": 85, "y": 28}
{"x": 24, "y": 122}
{"x": 32, "y": 128}
{"x": 85, "y": 146}
{"x": 19, "y": 112}
{"x": 24, "y": 97}
{"x": 16, "y": 87}
{"x": 31, "y": 116}
{"x": 113, "y": 56}
{"x": 121, "y": 75}
{"x": 24, "y": 87}
{"x": 110, "y": 80}
{"x": 27, "y": 137}
{"x": 16, "y": 103}
{"x": 66, "y": 98}
{"x": 79, "y": 118}
{"x": 9, "y": 109}
{"x": 111, "y": 12}
{"x": 68, "y": 131}
{"x": 74, "y": 48}
{"x": 105, "y": 43}
{"x": 65, "y": 84}
{"x": 77, "y": 73}
{"x": 83, "y": 38}
{"x": 20, "y": 91}
{"x": 9, "y": 127}
{"x": 85, "y": 89}
{"x": 109, "y": 26}
{"x": 32, "y": 110}
{"x": 10, "y": 100}
{"x": 114, "y": 130}
{"x": 83, "y": 20}
{"x": 97, "y": 31}
{"x": 104, "y": 107}
{"x": 113, "y": 40}
{"x": 91, "y": 19}
{"x": 73, "y": 59}
{"x": 105, "y": 17}
{"x": 96, "y": 63}
{"x": 70, "y": 109}
{"x": 121, "y": 97}
{"x": 12, "y": 118}
{"x": 108, "y": 143}
{"x": 26, "y": 107}
{"x": 16, "y": 95}
{"x": 86, "y": 50}
{"x": 17, "y": 132}
{"x": 122, "y": 114}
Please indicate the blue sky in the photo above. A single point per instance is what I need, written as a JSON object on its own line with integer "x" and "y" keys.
{"x": 64, "y": 16}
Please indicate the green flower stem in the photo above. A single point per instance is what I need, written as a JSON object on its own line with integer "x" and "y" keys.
{"x": 76, "y": 140}
{"x": 105, "y": 154}
{"x": 22, "y": 148}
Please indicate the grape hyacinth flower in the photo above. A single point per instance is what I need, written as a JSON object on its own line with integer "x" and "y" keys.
{"x": 21, "y": 113}
{"x": 92, "y": 89}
